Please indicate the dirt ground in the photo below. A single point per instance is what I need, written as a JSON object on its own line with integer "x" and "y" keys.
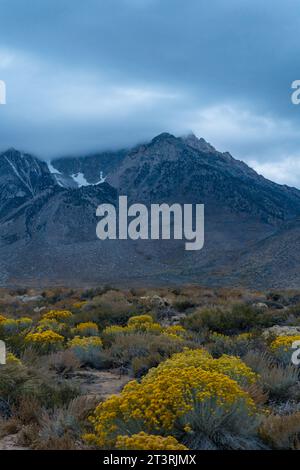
{"x": 96, "y": 383}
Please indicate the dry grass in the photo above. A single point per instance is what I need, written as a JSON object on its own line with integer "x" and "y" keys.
{"x": 282, "y": 432}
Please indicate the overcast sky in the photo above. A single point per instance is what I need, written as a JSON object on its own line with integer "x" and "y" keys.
{"x": 85, "y": 76}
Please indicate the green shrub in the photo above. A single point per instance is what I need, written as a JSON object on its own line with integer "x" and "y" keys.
{"x": 146, "y": 350}
{"x": 276, "y": 379}
{"x": 237, "y": 319}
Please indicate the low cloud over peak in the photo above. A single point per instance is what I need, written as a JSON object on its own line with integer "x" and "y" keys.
{"x": 108, "y": 75}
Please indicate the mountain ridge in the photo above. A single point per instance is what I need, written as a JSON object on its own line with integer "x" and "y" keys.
{"x": 48, "y": 227}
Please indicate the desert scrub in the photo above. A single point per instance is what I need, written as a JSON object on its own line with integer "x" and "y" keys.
{"x": 140, "y": 351}
{"x": 62, "y": 427}
{"x": 282, "y": 347}
{"x": 46, "y": 341}
{"x": 277, "y": 380}
{"x": 9, "y": 327}
{"x": 284, "y": 342}
{"x": 143, "y": 441}
{"x": 239, "y": 318}
{"x": 86, "y": 329}
{"x": 282, "y": 432}
{"x": 236, "y": 345}
{"x": 139, "y": 320}
{"x": 88, "y": 350}
{"x": 79, "y": 304}
{"x": 24, "y": 323}
{"x": 160, "y": 404}
{"x": 231, "y": 366}
{"x": 58, "y": 327}
{"x": 57, "y": 315}
{"x": 12, "y": 359}
{"x": 143, "y": 324}
{"x": 109, "y": 308}
{"x": 85, "y": 343}
{"x": 19, "y": 381}
{"x": 112, "y": 334}
{"x": 175, "y": 330}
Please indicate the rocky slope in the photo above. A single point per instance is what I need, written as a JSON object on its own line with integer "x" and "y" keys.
{"x": 82, "y": 171}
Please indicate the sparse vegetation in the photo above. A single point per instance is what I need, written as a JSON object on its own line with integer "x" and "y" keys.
{"x": 207, "y": 369}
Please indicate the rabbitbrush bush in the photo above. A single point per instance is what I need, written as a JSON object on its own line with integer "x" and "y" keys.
{"x": 231, "y": 366}
{"x": 86, "y": 329}
{"x": 58, "y": 315}
{"x": 45, "y": 341}
{"x": 282, "y": 348}
{"x": 88, "y": 350}
{"x": 166, "y": 398}
{"x": 143, "y": 441}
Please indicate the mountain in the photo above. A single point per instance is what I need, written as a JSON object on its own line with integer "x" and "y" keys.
{"x": 48, "y": 219}
{"x": 190, "y": 170}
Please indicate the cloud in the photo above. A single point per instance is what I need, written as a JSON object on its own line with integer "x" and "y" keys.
{"x": 84, "y": 77}
{"x": 233, "y": 126}
{"x": 285, "y": 171}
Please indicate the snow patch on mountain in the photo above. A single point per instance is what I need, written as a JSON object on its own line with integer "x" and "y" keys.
{"x": 52, "y": 169}
{"x": 80, "y": 179}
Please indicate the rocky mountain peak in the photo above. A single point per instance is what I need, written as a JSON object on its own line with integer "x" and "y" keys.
{"x": 198, "y": 144}
{"x": 164, "y": 137}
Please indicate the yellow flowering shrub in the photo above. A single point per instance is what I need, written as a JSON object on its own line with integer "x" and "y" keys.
{"x": 2, "y": 318}
{"x": 143, "y": 323}
{"x": 231, "y": 366}
{"x": 24, "y": 323}
{"x": 136, "y": 324}
{"x": 45, "y": 338}
{"x": 175, "y": 330}
{"x": 86, "y": 329}
{"x": 172, "y": 336}
{"x": 85, "y": 342}
{"x": 158, "y": 402}
{"x": 235, "y": 368}
{"x": 139, "y": 320}
{"x": 79, "y": 304}
{"x": 284, "y": 342}
{"x": 113, "y": 330}
{"x": 44, "y": 324}
{"x": 12, "y": 359}
{"x": 143, "y": 441}
{"x": 243, "y": 336}
{"x": 57, "y": 315}
{"x": 188, "y": 357}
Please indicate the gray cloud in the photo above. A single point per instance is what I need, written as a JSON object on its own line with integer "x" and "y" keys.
{"x": 110, "y": 73}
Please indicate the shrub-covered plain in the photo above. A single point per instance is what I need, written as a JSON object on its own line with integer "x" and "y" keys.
{"x": 153, "y": 369}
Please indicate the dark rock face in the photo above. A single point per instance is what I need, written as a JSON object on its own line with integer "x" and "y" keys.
{"x": 22, "y": 177}
{"x": 93, "y": 168}
{"x": 48, "y": 224}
